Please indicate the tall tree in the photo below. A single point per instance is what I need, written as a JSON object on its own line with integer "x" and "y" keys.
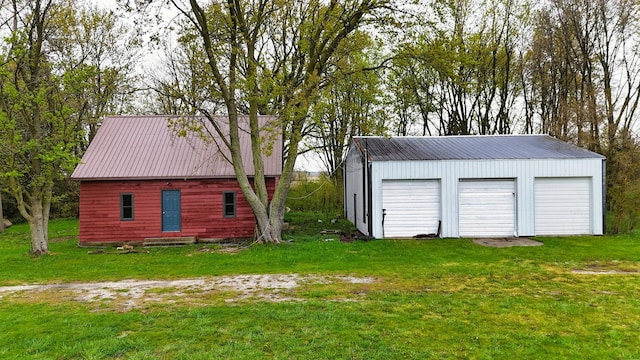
{"x": 269, "y": 57}
{"x": 421, "y": 70}
{"x": 48, "y": 86}
{"x": 350, "y": 105}
{"x": 460, "y": 74}
{"x": 185, "y": 85}
{"x": 35, "y": 130}
{"x": 585, "y": 84}
{"x": 107, "y": 51}
{"x": 585, "y": 69}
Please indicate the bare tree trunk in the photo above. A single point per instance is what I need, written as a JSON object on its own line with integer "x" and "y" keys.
{"x": 36, "y": 212}
{"x": 38, "y": 225}
{"x": 1, "y": 215}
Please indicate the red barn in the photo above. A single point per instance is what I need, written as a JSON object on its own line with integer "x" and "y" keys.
{"x": 140, "y": 182}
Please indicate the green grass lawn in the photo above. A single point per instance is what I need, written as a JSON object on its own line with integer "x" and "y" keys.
{"x": 441, "y": 299}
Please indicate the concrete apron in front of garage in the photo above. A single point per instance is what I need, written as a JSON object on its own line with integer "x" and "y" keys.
{"x": 507, "y": 242}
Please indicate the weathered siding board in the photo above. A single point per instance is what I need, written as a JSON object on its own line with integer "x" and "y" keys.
{"x": 201, "y": 210}
{"x": 524, "y": 171}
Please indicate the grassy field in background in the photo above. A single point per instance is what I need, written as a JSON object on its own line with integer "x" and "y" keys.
{"x": 445, "y": 298}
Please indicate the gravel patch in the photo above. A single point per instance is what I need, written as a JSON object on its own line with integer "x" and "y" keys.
{"x": 507, "y": 242}
{"x": 135, "y": 293}
{"x": 605, "y": 272}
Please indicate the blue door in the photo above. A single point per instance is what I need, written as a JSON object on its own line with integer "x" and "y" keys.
{"x": 170, "y": 210}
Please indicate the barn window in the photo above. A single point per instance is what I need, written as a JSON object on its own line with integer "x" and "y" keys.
{"x": 229, "y": 204}
{"x": 126, "y": 206}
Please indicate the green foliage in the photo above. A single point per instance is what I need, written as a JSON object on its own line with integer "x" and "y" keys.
{"x": 60, "y": 71}
{"x": 459, "y": 74}
{"x": 310, "y": 225}
{"x": 315, "y": 195}
{"x": 10, "y": 209}
{"x": 38, "y": 127}
{"x": 623, "y": 187}
{"x": 350, "y": 105}
{"x": 66, "y": 199}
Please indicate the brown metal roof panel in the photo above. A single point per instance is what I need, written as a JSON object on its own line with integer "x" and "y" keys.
{"x": 146, "y": 147}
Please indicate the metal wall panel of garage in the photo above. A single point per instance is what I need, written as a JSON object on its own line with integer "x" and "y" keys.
{"x": 354, "y": 191}
{"x": 449, "y": 172}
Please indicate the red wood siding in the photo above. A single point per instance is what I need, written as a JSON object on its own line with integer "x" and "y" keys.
{"x": 201, "y": 210}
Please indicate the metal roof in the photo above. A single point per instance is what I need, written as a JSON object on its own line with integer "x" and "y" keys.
{"x": 470, "y": 147}
{"x": 148, "y": 147}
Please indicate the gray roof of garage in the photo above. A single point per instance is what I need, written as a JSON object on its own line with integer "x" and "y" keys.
{"x": 470, "y": 147}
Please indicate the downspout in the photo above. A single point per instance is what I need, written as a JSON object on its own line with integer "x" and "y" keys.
{"x": 369, "y": 195}
{"x": 515, "y": 209}
{"x": 345, "y": 187}
{"x": 364, "y": 186}
{"x": 355, "y": 209}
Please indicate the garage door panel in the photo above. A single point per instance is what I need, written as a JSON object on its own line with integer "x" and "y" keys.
{"x": 412, "y": 207}
{"x": 563, "y": 206}
{"x": 486, "y": 208}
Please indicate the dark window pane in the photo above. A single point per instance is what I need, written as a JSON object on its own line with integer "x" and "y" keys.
{"x": 126, "y": 206}
{"x": 229, "y": 204}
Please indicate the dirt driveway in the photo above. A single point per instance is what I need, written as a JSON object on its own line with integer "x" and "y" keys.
{"x": 130, "y": 294}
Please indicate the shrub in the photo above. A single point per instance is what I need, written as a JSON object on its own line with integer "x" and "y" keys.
{"x": 320, "y": 194}
{"x": 623, "y": 187}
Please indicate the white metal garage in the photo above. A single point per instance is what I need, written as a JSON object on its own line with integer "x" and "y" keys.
{"x": 486, "y": 207}
{"x": 410, "y": 207}
{"x": 563, "y": 206}
{"x": 476, "y": 186}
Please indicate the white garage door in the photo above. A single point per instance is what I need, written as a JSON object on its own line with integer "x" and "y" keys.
{"x": 563, "y": 206}
{"x": 486, "y": 208}
{"x": 412, "y": 207}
